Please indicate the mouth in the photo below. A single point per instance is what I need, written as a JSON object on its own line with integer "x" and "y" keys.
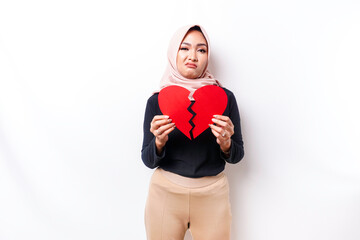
{"x": 191, "y": 65}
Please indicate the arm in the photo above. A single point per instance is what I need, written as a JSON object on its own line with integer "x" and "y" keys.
{"x": 237, "y": 145}
{"x": 228, "y": 133}
{"x": 148, "y": 152}
{"x": 156, "y": 129}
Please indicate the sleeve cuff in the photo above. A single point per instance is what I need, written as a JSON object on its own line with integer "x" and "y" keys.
{"x": 227, "y": 157}
{"x": 156, "y": 156}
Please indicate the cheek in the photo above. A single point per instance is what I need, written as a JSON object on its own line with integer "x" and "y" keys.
{"x": 204, "y": 62}
{"x": 179, "y": 58}
{"x": 178, "y": 65}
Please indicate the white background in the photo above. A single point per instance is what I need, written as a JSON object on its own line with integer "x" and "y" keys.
{"x": 74, "y": 79}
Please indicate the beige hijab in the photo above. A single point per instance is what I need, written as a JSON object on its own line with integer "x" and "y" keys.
{"x": 173, "y": 77}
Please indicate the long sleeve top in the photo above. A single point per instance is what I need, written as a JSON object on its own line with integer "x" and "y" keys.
{"x": 195, "y": 158}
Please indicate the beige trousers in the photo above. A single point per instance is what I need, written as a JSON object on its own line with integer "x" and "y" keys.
{"x": 172, "y": 208}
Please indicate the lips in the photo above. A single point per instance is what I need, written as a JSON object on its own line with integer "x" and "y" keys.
{"x": 191, "y": 65}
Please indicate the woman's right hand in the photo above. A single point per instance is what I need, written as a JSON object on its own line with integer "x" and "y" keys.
{"x": 161, "y": 126}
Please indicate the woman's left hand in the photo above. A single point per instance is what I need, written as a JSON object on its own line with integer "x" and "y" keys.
{"x": 223, "y": 130}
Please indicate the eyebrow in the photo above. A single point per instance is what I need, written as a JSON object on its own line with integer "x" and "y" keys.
{"x": 199, "y": 44}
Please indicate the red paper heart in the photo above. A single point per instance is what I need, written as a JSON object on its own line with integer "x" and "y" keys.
{"x": 209, "y": 100}
{"x": 174, "y": 101}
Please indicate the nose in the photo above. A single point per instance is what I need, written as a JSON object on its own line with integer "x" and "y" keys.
{"x": 192, "y": 56}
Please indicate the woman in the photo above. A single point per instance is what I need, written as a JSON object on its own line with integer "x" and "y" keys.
{"x": 189, "y": 188}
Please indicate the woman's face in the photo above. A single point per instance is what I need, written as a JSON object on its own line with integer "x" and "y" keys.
{"x": 192, "y": 56}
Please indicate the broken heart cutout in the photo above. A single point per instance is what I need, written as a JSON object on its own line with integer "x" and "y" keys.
{"x": 192, "y": 117}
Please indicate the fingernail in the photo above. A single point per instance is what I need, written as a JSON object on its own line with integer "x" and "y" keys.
{"x": 215, "y": 116}
{"x": 165, "y": 116}
{"x": 213, "y": 119}
{"x": 169, "y": 120}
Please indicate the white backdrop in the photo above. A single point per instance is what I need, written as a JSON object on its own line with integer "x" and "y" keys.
{"x": 74, "y": 79}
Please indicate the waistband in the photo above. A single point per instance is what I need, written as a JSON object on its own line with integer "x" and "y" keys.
{"x": 190, "y": 182}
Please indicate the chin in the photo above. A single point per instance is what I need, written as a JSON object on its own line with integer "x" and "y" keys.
{"x": 192, "y": 75}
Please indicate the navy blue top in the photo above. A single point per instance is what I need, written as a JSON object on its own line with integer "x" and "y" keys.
{"x": 191, "y": 158}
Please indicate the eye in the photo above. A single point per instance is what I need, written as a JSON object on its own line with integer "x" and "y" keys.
{"x": 202, "y": 50}
{"x": 184, "y": 49}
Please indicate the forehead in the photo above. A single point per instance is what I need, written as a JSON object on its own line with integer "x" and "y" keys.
{"x": 194, "y": 36}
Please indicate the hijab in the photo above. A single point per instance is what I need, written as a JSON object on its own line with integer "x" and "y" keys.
{"x": 172, "y": 75}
